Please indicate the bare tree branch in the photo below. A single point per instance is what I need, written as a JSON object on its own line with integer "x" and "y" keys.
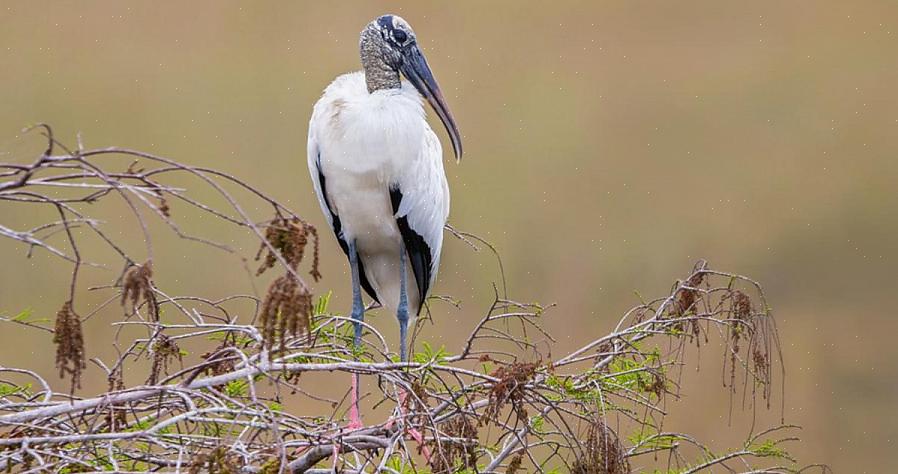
{"x": 499, "y": 403}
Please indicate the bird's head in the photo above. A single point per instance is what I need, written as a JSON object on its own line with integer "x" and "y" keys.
{"x": 388, "y": 47}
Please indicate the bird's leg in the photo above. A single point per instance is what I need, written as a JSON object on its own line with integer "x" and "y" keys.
{"x": 402, "y": 308}
{"x": 358, "y": 315}
{"x": 402, "y": 316}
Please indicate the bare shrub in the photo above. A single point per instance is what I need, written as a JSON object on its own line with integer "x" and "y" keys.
{"x": 500, "y": 403}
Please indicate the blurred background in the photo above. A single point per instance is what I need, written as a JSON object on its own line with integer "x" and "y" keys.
{"x": 609, "y": 145}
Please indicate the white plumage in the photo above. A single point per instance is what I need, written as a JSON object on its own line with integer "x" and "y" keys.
{"x": 364, "y": 145}
{"x": 377, "y": 170}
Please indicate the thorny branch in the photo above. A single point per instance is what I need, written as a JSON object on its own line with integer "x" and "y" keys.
{"x": 498, "y": 404}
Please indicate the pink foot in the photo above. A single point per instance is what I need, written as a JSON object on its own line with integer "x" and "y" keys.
{"x": 336, "y": 454}
{"x": 412, "y": 432}
{"x": 354, "y": 425}
{"x": 355, "y": 421}
{"x": 419, "y": 438}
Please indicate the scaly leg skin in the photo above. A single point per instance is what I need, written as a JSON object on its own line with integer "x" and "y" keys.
{"x": 358, "y": 315}
{"x": 402, "y": 316}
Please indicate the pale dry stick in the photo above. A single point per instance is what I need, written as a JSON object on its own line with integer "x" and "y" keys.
{"x": 179, "y": 418}
{"x": 141, "y": 393}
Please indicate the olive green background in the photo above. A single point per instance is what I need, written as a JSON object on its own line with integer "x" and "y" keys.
{"x": 608, "y": 145}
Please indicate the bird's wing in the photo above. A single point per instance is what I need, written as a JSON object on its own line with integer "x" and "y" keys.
{"x": 421, "y": 206}
{"x": 319, "y": 182}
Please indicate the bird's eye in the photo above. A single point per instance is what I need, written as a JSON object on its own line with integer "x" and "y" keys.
{"x": 400, "y": 36}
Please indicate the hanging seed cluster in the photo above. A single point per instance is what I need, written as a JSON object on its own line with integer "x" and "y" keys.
{"x": 285, "y": 311}
{"x": 69, "y": 342}
{"x": 289, "y": 238}
{"x": 288, "y": 303}
{"x": 602, "y": 452}
{"x": 217, "y": 461}
{"x": 163, "y": 206}
{"x": 137, "y": 288}
{"x": 654, "y": 384}
{"x": 461, "y": 454}
{"x": 510, "y": 389}
{"x": 164, "y": 350}
{"x": 747, "y": 328}
{"x": 686, "y": 300}
{"x": 515, "y": 464}
{"x": 741, "y": 312}
{"x": 222, "y": 363}
{"x": 117, "y": 415}
{"x": 687, "y": 296}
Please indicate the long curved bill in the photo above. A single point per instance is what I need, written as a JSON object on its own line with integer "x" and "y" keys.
{"x": 415, "y": 69}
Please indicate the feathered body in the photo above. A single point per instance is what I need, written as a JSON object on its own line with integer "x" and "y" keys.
{"x": 377, "y": 169}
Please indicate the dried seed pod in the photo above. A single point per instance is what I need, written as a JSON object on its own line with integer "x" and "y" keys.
{"x": 221, "y": 364}
{"x": 137, "y": 287}
{"x": 515, "y": 464}
{"x": 163, "y": 206}
{"x": 289, "y": 238}
{"x": 602, "y": 452}
{"x": 117, "y": 416}
{"x": 163, "y": 350}
{"x": 687, "y": 295}
{"x": 285, "y": 311}
{"x": 461, "y": 452}
{"x": 509, "y": 389}
{"x": 69, "y": 342}
{"x": 741, "y": 306}
{"x": 217, "y": 461}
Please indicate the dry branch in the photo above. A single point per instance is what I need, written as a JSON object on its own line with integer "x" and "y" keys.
{"x": 495, "y": 405}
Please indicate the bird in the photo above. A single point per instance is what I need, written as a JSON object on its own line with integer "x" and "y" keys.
{"x": 377, "y": 170}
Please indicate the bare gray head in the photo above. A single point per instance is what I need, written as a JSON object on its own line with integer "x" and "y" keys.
{"x": 380, "y": 44}
{"x": 388, "y": 47}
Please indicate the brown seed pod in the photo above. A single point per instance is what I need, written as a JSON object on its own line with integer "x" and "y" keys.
{"x": 69, "y": 342}
{"x": 137, "y": 288}
{"x": 217, "y": 461}
{"x": 164, "y": 350}
{"x": 602, "y": 452}
{"x": 459, "y": 454}
{"x": 509, "y": 389}
{"x": 289, "y": 238}
{"x": 285, "y": 311}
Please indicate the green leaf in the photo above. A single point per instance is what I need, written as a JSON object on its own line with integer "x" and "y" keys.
{"x": 429, "y": 354}
{"x": 769, "y": 449}
{"x": 7, "y": 389}
{"x": 236, "y": 388}
{"x": 322, "y": 303}
{"x": 536, "y": 424}
{"x": 24, "y": 315}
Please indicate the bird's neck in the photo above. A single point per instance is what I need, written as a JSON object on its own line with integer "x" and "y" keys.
{"x": 381, "y": 77}
{"x": 378, "y": 74}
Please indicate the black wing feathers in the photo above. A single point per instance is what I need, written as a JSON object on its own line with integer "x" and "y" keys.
{"x": 417, "y": 249}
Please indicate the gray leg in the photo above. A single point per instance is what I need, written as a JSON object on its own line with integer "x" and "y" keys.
{"x": 402, "y": 316}
{"x": 358, "y": 315}
{"x": 402, "y": 309}
{"x": 358, "y": 309}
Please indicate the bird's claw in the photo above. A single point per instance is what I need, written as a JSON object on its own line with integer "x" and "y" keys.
{"x": 412, "y": 432}
{"x": 354, "y": 425}
{"x": 419, "y": 438}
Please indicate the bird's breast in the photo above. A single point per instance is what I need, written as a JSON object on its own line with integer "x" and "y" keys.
{"x": 366, "y": 148}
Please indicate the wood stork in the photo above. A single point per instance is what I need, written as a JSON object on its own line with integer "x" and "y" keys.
{"x": 377, "y": 169}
